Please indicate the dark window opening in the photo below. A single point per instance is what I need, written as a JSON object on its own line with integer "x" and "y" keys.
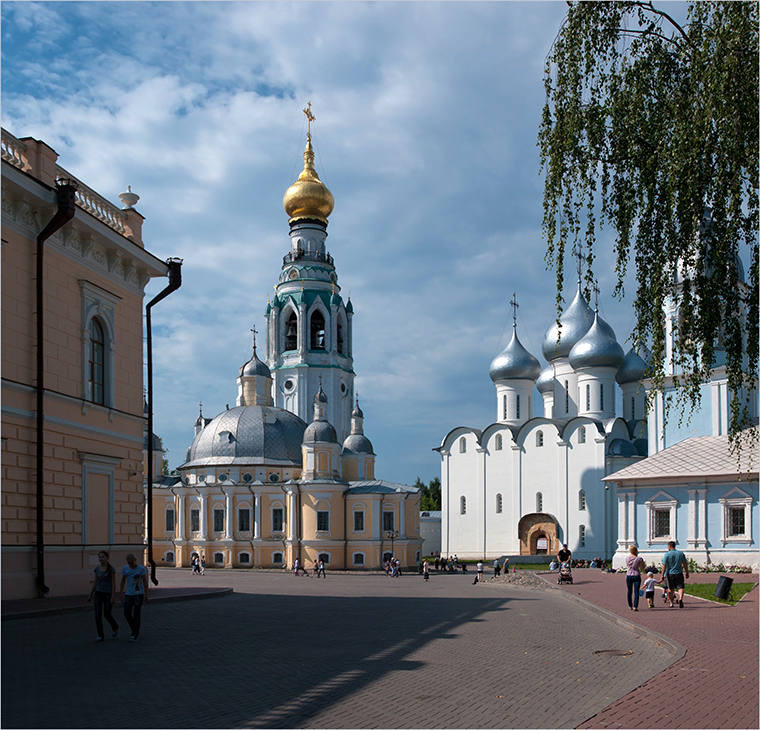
{"x": 244, "y": 520}
{"x": 195, "y": 520}
{"x": 291, "y": 332}
{"x": 218, "y": 520}
{"x": 97, "y": 363}
{"x": 317, "y": 331}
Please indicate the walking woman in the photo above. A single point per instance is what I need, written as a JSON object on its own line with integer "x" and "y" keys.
{"x": 634, "y": 565}
{"x": 101, "y": 593}
{"x": 134, "y": 588}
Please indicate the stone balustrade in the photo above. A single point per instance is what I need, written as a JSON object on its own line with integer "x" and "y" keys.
{"x": 87, "y": 199}
{"x": 14, "y": 152}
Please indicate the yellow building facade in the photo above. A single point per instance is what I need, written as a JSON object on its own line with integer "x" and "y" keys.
{"x": 88, "y": 385}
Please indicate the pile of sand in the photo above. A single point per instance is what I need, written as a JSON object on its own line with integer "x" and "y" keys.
{"x": 521, "y": 578}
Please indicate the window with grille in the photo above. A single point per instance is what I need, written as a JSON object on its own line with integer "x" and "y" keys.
{"x": 323, "y": 521}
{"x": 736, "y": 522}
{"x": 244, "y": 558}
{"x": 358, "y": 558}
{"x": 218, "y": 520}
{"x": 499, "y": 504}
{"x": 218, "y": 558}
{"x": 170, "y": 520}
{"x": 539, "y": 502}
{"x": 661, "y": 522}
{"x": 244, "y": 520}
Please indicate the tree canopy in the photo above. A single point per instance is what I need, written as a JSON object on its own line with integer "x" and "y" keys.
{"x": 430, "y": 494}
{"x": 650, "y": 127}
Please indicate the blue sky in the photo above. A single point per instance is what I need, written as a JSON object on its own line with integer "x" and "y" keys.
{"x": 427, "y": 116}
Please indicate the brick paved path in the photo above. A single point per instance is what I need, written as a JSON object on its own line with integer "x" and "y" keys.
{"x": 350, "y": 651}
{"x": 715, "y": 685}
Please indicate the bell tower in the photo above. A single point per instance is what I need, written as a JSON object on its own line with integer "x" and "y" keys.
{"x": 308, "y": 325}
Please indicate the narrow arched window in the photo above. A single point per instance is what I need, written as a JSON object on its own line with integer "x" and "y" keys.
{"x": 588, "y": 397}
{"x": 462, "y": 445}
{"x": 504, "y": 407}
{"x": 581, "y": 536}
{"x": 498, "y": 442}
{"x": 340, "y": 338}
{"x": 601, "y": 396}
{"x": 540, "y": 438}
{"x": 291, "y": 332}
{"x": 317, "y": 331}
{"x": 517, "y": 407}
{"x": 582, "y": 499}
{"x": 567, "y": 397}
{"x": 582, "y": 435}
{"x": 97, "y": 363}
{"x": 463, "y": 505}
{"x": 499, "y": 504}
{"x": 539, "y": 502}
{"x": 633, "y": 409}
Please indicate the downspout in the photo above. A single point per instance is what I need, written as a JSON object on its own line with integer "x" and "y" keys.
{"x": 66, "y": 202}
{"x": 175, "y": 282}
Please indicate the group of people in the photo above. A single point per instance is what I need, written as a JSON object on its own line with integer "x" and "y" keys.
{"x": 198, "y": 564}
{"x": 393, "y": 567}
{"x": 133, "y": 587}
{"x": 319, "y": 568}
{"x": 673, "y": 569}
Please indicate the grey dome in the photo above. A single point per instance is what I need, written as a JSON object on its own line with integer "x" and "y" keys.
{"x": 319, "y": 431}
{"x": 320, "y": 396}
{"x": 357, "y": 412}
{"x": 357, "y": 443}
{"x": 597, "y": 348}
{"x": 576, "y": 321}
{"x": 633, "y": 368}
{"x": 255, "y": 367}
{"x": 249, "y": 433}
{"x": 545, "y": 382}
{"x": 514, "y": 362}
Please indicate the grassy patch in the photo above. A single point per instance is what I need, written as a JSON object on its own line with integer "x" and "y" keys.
{"x": 707, "y": 590}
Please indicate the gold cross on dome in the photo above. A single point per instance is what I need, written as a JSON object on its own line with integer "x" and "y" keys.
{"x": 309, "y": 118}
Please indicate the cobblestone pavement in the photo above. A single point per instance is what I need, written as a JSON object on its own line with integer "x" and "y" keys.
{"x": 715, "y": 685}
{"x": 350, "y": 651}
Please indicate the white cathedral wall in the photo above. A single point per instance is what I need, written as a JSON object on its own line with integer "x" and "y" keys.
{"x": 541, "y": 470}
{"x": 465, "y": 480}
{"x": 501, "y": 528}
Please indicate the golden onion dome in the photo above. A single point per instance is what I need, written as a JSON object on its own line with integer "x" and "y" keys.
{"x": 308, "y": 196}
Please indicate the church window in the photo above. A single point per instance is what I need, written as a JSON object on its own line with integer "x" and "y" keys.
{"x": 274, "y": 477}
{"x": 291, "y": 332}
{"x": 323, "y": 521}
{"x": 277, "y": 558}
{"x": 498, "y": 504}
{"x": 358, "y": 558}
{"x": 539, "y": 502}
{"x": 195, "y": 520}
{"x": 244, "y": 520}
{"x": 218, "y": 520}
{"x": 582, "y": 499}
{"x": 244, "y": 558}
{"x": 169, "y": 557}
{"x": 601, "y": 396}
{"x": 247, "y": 477}
{"x": 359, "y": 521}
{"x": 736, "y": 521}
{"x": 661, "y": 522}
{"x": 567, "y": 397}
{"x": 588, "y": 397}
{"x": 504, "y": 402}
{"x": 218, "y": 558}
{"x": 462, "y": 445}
{"x": 170, "y": 520}
{"x": 325, "y": 558}
{"x": 582, "y": 435}
{"x": 517, "y": 406}
{"x": 540, "y": 438}
{"x": 97, "y": 362}
{"x": 340, "y": 338}
{"x": 277, "y": 519}
{"x": 317, "y": 331}
{"x": 498, "y": 442}
{"x": 389, "y": 522}
{"x": 581, "y": 535}
{"x": 463, "y": 505}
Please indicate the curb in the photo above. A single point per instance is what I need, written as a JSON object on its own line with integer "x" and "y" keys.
{"x": 45, "y": 612}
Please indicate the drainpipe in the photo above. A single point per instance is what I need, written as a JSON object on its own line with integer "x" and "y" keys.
{"x": 175, "y": 282}
{"x": 66, "y": 202}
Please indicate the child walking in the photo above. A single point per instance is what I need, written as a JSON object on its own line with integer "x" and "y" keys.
{"x": 649, "y": 585}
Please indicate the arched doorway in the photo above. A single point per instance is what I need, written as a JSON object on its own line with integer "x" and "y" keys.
{"x": 538, "y": 533}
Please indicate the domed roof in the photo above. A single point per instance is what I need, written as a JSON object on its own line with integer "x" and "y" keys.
{"x": 319, "y": 431}
{"x": 633, "y": 368}
{"x": 320, "y": 395}
{"x": 357, "y": 443}
{"x": 357, "y": 412}
{"x": 249, "y": 433}
{"x": 576, "y": 321}
{"x": 514, "y": 362}
{"x": 545, "y": 382}
{"x": 597, "y": 348}
{"x": 308, "y": 196}
{"x": 255, "y": 367}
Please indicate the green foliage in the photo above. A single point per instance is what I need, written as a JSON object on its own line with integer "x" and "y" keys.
{"x": 430, "y": 494}
{"x": 707, "y": 591}
{"x": 647, "y": 126}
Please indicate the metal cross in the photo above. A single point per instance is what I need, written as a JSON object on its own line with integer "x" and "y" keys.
{"x": 579, "y": 255}
{"x": 513, "y": 303}
{"x": 200, "y": 408}
{"x": 255, "y": 332}
{"x": 595, "y": 289}
{"x": 309, "y": 118}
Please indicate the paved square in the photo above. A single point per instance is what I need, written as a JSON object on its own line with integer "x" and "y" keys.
{"x": 349, "y": 651}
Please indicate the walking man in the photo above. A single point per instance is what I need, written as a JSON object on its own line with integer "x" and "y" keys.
{"x": 673, "y": 567}
{"x": 496, "y": 567}
{"x": 134, "y": 588}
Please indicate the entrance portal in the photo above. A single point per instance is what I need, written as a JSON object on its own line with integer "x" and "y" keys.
{"x": 538, "y": 534}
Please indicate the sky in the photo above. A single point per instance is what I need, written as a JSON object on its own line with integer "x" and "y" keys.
{"x": 426, "y": 124}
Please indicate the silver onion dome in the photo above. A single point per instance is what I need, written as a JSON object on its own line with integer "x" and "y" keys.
{"x": 248, "y": 433}
{"x": 633, "y": 368}
{"x": 357, "y": 443}
{"x": 255, "y": 367}
{"x": 320, "y": 396}
{"x": 576, "y": 321}
{"x": 545, "y": 382}
{"x": 357, "y": 412}
{"x": 597, "y": 348}
{"x": 319, "y": 431}
{"x": 514, "y": 362}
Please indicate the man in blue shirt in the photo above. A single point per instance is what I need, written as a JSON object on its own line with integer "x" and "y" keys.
{"x": 673, "y": 568}
{"x": 134, "y": 587}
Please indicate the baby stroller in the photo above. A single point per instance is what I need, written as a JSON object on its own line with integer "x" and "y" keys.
{"x": 565, "y": 573}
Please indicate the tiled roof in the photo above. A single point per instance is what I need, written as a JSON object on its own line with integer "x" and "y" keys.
{"x": 375, "y": 486}
{"x": 695, "y": 457}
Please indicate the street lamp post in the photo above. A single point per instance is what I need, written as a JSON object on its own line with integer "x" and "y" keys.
{"x": 392, "y": 535}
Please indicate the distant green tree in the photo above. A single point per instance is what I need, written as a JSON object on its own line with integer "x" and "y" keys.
{"x": 647, "y": 123}
{"x": 430, "y": 494}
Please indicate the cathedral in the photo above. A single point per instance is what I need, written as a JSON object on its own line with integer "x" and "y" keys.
{"x": 288, "y": 474}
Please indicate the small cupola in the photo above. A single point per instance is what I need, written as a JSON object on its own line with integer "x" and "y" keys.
{"x": 254, "y": 381}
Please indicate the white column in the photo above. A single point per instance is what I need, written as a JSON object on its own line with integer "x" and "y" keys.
{"x": 291, "y": 515}
{"x": 180, "y": 517}
{"x": 631, "y": 521}
{"x": 402, "y": 518}
{"x": 702, "y": 519}
{"x": 256, "y": 516}
{"x": 228, "y": 528}
{"x": 303, "y": 328}
{"x": 517, "y": 508}
{"x": 204, "y": 517}
{"x": 622, "y": 521}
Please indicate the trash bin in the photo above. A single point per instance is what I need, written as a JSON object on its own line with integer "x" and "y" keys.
{"x": 724, "y": 587}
